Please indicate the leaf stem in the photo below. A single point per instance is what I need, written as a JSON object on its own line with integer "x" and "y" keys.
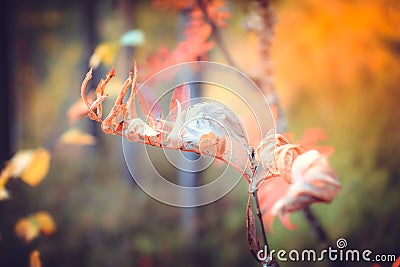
{"x": 271, "y": 262}
{"x": 259, "y": 215}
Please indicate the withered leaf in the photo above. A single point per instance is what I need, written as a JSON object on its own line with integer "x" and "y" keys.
{"x": 313, "y": 181}
{"x": 138, "y": 130}
{"x": 252, "y": 239}
{"x": 182, "y": 95}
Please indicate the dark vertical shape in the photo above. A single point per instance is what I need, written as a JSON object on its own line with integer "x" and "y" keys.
{"x": 5, "y": 84}
{"x": 12, "y": 251}
{"x": 91, "y": 39}
{"x": 188, "y": 216}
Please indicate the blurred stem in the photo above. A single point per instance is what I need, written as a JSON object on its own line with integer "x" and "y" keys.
{"x": 215, "y": 33}
{"x": 316, "y": 227}
{"x": 272, "y": 262}
{"x": 260, "y": 219}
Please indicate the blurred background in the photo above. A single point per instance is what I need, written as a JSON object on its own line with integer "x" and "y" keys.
{"x": 336, "y": 67}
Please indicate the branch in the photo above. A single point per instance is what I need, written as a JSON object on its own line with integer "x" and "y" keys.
{"x": 272, "y": 262}
{"x": 316, "y": 227}
{"x": 215, "y": 33}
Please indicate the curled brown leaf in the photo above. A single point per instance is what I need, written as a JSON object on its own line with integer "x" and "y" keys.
{"x": 313, "y": 181}
{"x": 252, "y": 239}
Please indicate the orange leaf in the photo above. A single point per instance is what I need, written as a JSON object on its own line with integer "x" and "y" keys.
{"x": 34, "y": 259}
{"x": 75, "y": 136}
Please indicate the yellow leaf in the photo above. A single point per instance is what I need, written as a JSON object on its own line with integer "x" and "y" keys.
{"x": 75, "y": 136}
{"x": 34, "y": 259}
{"x": 46, "y": 222}
{"x": 37, "y": 168}
{"x": 104, "y": 53}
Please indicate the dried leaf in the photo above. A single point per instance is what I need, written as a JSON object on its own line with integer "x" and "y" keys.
{"x": 34, "y": 259}
{"x": 75, "y": 136}
{"x": 130, "y": 103}
{"x": 138, "y": 130}
{"x": 174, "y": 136}
{"x": 313, "y": 181}
{"x": 265, "y": 151}
{"x": 182, "y": 94}
{"x": 100, "y": 95}
{"x": 207, "y": 144}
{"x": 284, "y": 157}
{"x": 252, "y": 238}
{"x": 205, "y": 117}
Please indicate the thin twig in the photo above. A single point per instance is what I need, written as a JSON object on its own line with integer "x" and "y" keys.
{"x": 316, "y": 227}
{"x": 215, "y": 33}
{"x": 260, "y": 219}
